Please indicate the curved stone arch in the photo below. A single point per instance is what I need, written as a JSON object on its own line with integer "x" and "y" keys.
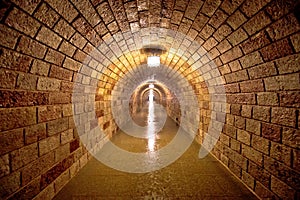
{"x": 208, "y": 74}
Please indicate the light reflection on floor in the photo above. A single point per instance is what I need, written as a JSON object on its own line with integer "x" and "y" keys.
{"x": 187, "y": 178}
{"x": 151, "y": 121}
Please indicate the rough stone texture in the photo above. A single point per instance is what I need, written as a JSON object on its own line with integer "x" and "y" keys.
{"x": 4, "y": 165}
{"x": 23, "y": 156}
{"x": 40, "y": 68}
{"x": 48, "y": 84}
{"x": 9, "y": 42}
{"x": 295, "y": 38}
{"x": 283, "y": 116}
{"x": 256, "y": 23}
{"x": 9, "y": 184}
{"x": 22, "y": 22}
{"x": 8, "y": 79}
{"x": 46, "y": 113}
{"x": 271, "y": 132}
{"x": 35, "y": 133}
{"x": 31, "y": 47}
{"x": 252, "y": 7}
{"x": 65, "y": 8}
{"x": 48, "y": 144}
{"x": 17, "y": 117}
{"x": 46, "y": 15}
{"x": 57, "y": 126}
{"x": 54, "y": 57}
{"x": 277, "y": 50}
{"x": 61, "y": 73}
{"x": 284, "y": 82}
{"x": 267, "y": 99}
{"x": 26, "y": 82}
{"x": 48, "y": 37}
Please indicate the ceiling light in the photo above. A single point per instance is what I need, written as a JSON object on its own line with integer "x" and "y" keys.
{"x": 153, "y": 61}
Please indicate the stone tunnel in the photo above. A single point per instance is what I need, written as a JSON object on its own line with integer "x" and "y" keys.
{"x": 77, "y": 75}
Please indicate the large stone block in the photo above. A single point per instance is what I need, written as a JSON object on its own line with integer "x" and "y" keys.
{"x": 252, "y": 154}
{"x": 48, "y": 37}
{"x": 8, "y": 79}
{"x": 67, "y": 48}
{"x": 27, "y": 192}
{"x": 65, "y": 8}
{"x": 9, "y": 184}
{"x": 49, "y": 144}
{"x": 47, "y": 113}
{"x": 40, "y": 68}
{"x": 276, "y": 50}
{"x": 241, "y": 98}
{"x": 8, "y": 36}
{"x": 46, "y": 15}
{"x": 281, "y": 153}
{"x": 218, "y": 18}
{"x": 26, "y": 82}
{"x": 252, "y": 7}
{"x": 11, "y": 140}
{"x": 284, "y": 116}
{"x": 256, "y": 23}
{"x": 62, "y": 152}
{"x": 64, "y": 29}
{"x": 17, "y": 117}
{"x": 291, "y": 137}
{"x": 282, "y": 189}
{"x": 54, "y": 57}
{"x": 271, "y": 132}
{"x": 35, "y": 133}
{"x": 57, "y": 126}
{"x": 31, "y": 47}
{"x": 267, "y": 99}
{"x": 252, "y": 86}
{"x": 262, "y": 113}
{"x": 66, "y": 136}
{"x": 243, "y": 136}
{"x": 52, "y": 174}
{"x": 23, "y": 156}
{"x": 260, "y": 174}
{"x": 255, "y": 42}
{"x": 48, "y": 84}
{"x": 22, "y": 22}
{"x": 22, "y": 98}
{"x": 282, "y": 172}
{"x": 105, "y": 12}
{"x": 37, "y": 167}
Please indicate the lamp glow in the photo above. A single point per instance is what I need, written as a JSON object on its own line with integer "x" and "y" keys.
{"x": 153, "y": 61}
{"x": 151, "y": 85}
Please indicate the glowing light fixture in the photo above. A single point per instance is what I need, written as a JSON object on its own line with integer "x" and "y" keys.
{"x": 153, "y": 61}
{"x": 151, "y": 85}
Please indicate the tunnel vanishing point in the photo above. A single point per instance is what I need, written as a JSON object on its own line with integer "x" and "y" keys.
{"x": 73, "y": 72}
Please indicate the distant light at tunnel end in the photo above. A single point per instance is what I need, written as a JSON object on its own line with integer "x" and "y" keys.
{"x": 153, "y": 61}
{"x": 151, "y": 85}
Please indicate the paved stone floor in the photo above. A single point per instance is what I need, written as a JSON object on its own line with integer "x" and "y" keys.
{"x": 187, "y": 178}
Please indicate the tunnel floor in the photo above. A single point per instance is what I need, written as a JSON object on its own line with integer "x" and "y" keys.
{"x": 187, "y": 178}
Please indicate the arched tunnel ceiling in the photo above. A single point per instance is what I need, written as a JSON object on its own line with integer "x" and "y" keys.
{"x": 105, "y": 30}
